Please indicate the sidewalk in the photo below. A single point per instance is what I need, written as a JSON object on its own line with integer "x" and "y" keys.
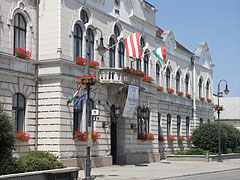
{"x": 163, "y": 170}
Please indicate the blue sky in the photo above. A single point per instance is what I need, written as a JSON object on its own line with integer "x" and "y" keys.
{"x": 215, "y": 21}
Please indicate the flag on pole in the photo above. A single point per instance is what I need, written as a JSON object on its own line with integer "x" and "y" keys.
{"x": 78, "y": 102}
{"x": 161, "y": 53}
{"x": 133, "y": 46}
{"x": 73, "y": 96}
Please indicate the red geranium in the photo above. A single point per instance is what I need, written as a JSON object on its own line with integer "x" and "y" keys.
{"x": 90, "y": 78}
{"x": 81, "y": 61}
{"x": 180, "y": 93}
{"x": 160, "y": 88}
{"x": 95, "y": 136}
{"x": 188, "y": 96}
{"x": 21, "y": 53}
{"x": 161, "y": 138}
{"x": 148, "y": 79}
{"x": 21, "y": 136}
{"x": 189, "y": 139}
{"x": 202, "y": 98}
{"x": 170, "y": 90}
{"x": 181, "y": 138}
{"x": 171, "y": 138}
{"x": 209, "y": 100}
{"x": 94, "y": 64}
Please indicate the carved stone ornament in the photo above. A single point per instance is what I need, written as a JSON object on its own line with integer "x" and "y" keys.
{"x": 117, "y": 2}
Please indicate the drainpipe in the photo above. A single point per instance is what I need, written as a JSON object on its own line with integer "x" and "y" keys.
{"x": 194, "y": 90}
{"x": 36, "y": 75}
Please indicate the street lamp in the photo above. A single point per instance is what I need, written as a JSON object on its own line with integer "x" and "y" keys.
{"x": 226, "y": 91}
{"x": 101, "y": 50}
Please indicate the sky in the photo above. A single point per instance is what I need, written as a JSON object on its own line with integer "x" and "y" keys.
{"x": 215, "y": 21}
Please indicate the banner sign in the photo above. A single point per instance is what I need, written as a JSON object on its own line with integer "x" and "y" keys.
{"x": 132, "y": 100}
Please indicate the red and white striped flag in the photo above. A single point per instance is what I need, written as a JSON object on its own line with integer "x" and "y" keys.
{"x": 133, "y": 46}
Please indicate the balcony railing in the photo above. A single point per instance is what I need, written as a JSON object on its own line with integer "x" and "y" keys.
{"x": 116, "y": 76}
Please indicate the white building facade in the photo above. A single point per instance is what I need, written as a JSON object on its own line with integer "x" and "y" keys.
{"x": 69, "y": 28}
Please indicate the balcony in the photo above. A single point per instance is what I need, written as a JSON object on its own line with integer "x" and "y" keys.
{"x": 110, "y": 76}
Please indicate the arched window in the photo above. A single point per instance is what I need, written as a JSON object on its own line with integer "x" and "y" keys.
{"x": 111, "y": 53}
{"x": 84, "y": 16}
{"x": 158, "y": 74}
{"x": 200, "y": 87}
{"x": 178, "y": 81}
{"x": 90, "y": 44}
{"x": 146, "y": 61}
{"x": 139, "y": 120}
{"x": 147, "y": 120}
{"x": 20, "y": 29}
{"x": 207, "y": 90}
{"x": 178, "y": 126}
{"x": 142, "y": 44}
{"x": 186, "y": 84}
{"x": 159, "y": 125}
{"x": 78, "y": 111}
{"x": 121, "y": 54}
{"x": 201, "y": 120}
{"x": 18, "y": 107}
{"x": 138, "y": 61}
{"x": 187, "y": 126}
{"x": 168, "y": 78}
{"x": 77, "y": 41}
{"x": 168, "y": 124}
{"x": 116, "y": 31}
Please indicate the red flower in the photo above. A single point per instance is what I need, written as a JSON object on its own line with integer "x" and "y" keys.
{"x": 188, "y": 96}
{"x": 202, "y": 98}
{"x": 148, "y": 79}
{"x": 21, "y": 53}
{"x": 180, "y": 93}
{"x": 170, "y": 90}
{"x": 161, "y": 138}
{"x": 180, "y": 139}
{"x": 95, "y": 136}
{"x": 94, "y": 64}
{"x": 83, "y": 80}
{"x": 160, "y": 88}
{"x": 81, "y": 61}
{"x": 189, "y": 139}
{"x": 145, "y": 136}
{"x": 21, "y": 136}
{"x": 209, "y": 100}
{"x": 171, "y": 138}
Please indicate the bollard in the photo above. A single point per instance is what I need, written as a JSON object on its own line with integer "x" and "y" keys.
{"x": 207, "y": 156}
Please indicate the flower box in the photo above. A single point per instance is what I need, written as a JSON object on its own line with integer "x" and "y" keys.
{"x": 94, "y": 64}
{"x": 202, "y": 98}
{"x": 161, "y": 138}
{"x": 95, "y": 136}
{"x": 81, "y": 61}
{"x": 209, "y": 100}
{"x": 215, "y": 107}
{"x": 171, "y": 138}
{"x": 189, "y": 96}
{"x": 180, "y": 93}
{"x": 170, "y": 90}
{"x": 189, "y": 139}
{"x": 23, "y": 54}
{"x": 133, "y": 71}
{"x": 180, "y": 139}
{"x": 82, "y": 136}
{"x": 21, "y": 136}
{"x": 91, "y": 79}
{"x": 145, "y": 136}
{"x": 160, "y": 88}
{"x": 148, "y": 79}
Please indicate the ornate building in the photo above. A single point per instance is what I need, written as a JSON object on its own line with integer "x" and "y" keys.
{"x": 35, "y": 92}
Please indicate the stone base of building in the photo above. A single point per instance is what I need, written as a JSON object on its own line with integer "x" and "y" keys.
{"x": 138, "y": 158}
{"x": 80, "y": 162}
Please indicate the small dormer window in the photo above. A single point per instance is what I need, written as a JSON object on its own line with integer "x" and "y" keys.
{"x": 116, "y": 31}
{"x": 84, "y": 16}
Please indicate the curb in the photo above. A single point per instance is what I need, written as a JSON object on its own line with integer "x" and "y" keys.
{"x": 194, "y": 174}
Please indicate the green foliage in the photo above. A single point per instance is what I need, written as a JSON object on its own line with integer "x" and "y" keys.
{"x": 7, "y": 138}
{"x": 193, "y": 151}
{"x": 38, "y": 161}
{"x": 237, "y": 149}
{"x": 229, "y": 151}
{"x": 10, "y": 166}
{"x": 206, "y": 137}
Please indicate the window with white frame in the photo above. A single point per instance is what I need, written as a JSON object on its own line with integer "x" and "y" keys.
{"x": 121, "y": 54}
{"x": 168, "y": 78}
{"x": 207, "y": 90}
{"x": 186, "y": 84}
{"x": 146, "y": 62}
{"x": 84, "y": 16}
{"x": 20, "y": 30}
{"x": 111, "y": 53}
{"x": 168, "y": 124}
{"x": 158, "y": 74}
{"x": 177, "y": 81}
{"x": 77, "y": 41}
{"x": 200, "y": 87}
{"x": 78, "y": 112}
{"x": 90, "y": 44}
{"x": 187, "y": 126}
{"x": 178, "y": 125}
{"x": 18, "y": 107}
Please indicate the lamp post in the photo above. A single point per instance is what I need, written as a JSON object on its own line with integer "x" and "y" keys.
{"x": 226, "y": 91}
{"x": 101, "y": 50}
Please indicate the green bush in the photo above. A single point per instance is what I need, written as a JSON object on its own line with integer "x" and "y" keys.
{"x": 205, "y": 136}
{"x": 7, "y": 138}
{"x": 229, "y": 151}
{"x": 10, "y": 166}
{"x": 38, "y": 161}
{"x": 237, "y": 149}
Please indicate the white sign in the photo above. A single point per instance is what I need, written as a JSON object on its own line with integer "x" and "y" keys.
{"x": 132, "y": 100}
{"x": 95, "y": 112}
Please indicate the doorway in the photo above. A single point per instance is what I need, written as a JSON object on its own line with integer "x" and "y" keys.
{"x": 113, "y": 135}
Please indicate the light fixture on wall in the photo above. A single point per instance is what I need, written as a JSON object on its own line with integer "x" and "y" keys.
{"x": 115, "y": 114}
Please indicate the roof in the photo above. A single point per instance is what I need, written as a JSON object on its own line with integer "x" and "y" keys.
{"x": 159, "y": 33}
{"x": 231, "y": 108}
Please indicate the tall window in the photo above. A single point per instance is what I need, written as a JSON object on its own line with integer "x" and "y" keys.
{"x": 200, "y": 87}
{"x": 139, "y": 119}
{"x": 142, "y": 44}
{"x": 178, "y": 81}
{"x": 158, "y": 74}
{"x": 84, "y": 16}
{"x": 159, "y": 125}
{"x": 90, "y": 44}
{"x": 77, "y": 41}
{"x": 111, "y": 53}
{"x": 187, "y": 126}
{"x": 146, "y": 61}
{"x": 207, "y": 90}
{"x": 186, "y": 84}
{"x": 178, "y": 126}
{"x": 168, "y": 124}
{"x": 116, "y": 31}
{"x": 78, "y": 111}
{"x": 18, "y": 107}
{"x": 138, "y": 64}
{"x": 147, "y": 120}
{"x": 168, "y": 78}
{"x": 121, "y": 54}
{"x": 20, "y": 29}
